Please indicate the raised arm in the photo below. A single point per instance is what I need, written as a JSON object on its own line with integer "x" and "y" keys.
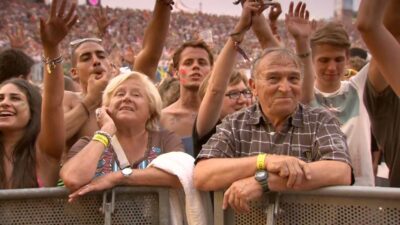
{"x": 17, "y": 38}
{"x": 261, "y": 28}
{"x": 211, "y": 105}
{"x": 154, "y": 39}
{"x": 102, "y": 20}
{"x": 300, "y": 27}
{"x": 384, "y": 47}
{"x": 52, "y": 134}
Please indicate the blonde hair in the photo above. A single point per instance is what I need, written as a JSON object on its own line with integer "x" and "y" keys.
{"x": 155, "y": 103}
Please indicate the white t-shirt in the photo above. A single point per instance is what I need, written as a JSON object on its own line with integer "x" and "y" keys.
{"x": 348, "y": 106}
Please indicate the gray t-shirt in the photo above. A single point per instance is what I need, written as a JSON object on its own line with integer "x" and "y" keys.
{"x": 384, "y": 111}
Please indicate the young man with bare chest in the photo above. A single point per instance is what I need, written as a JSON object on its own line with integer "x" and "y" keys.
{"x": 193, "y": 61}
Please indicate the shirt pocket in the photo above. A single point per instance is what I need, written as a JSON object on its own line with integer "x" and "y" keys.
{"x": 302, "y": 152}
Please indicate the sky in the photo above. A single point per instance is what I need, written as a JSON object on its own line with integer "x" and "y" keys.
{"x": 318, "y": 8}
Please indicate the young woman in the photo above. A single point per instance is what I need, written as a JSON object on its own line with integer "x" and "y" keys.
{"x": 31, "y": 130}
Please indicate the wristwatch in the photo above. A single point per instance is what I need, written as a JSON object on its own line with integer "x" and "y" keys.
{"x": 127, "y": 171}
{"x": 262, "y": 178}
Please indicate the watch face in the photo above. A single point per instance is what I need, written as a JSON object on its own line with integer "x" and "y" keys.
{"x": 261, "y": 175}
{"x": 127, "y": 171}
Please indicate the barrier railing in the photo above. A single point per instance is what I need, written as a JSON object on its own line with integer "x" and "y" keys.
{"x": 150, "y": 205}
{"x": 331, "y": 205}
{"x": 121, "y": 205}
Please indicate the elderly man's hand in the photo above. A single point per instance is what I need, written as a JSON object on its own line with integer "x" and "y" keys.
{"x": 289, "y": 167}
{"x": 240, "y": 193}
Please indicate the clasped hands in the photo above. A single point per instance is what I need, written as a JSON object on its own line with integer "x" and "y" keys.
{"x": 284, "y": 173}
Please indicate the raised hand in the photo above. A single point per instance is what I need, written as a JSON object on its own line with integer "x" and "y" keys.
{"x": 102, "y": 20}
{"x": 275, "y": 11}
{"x": 250, "y": 10}
{"x": 297, "y": 21}
{"x": 17, "y": 38}
{"x": 57, "y": 25}
{"x": 105, "y": 121}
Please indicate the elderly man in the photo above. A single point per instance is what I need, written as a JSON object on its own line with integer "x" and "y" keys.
{"x": 277, "y": 144}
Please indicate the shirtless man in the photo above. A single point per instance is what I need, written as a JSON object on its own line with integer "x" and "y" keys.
{"x": 192, "y": 62}
{"x": 91, "y": 64}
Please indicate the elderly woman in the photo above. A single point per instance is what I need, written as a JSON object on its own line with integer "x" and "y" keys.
{"x": 128, "y": 140}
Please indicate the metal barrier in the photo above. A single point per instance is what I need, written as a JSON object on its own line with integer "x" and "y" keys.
{"x": 331, "y": 206}
{"x": 121, "y": 205}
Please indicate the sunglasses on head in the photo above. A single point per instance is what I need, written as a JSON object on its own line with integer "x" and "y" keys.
{"x": 76, "y": 42}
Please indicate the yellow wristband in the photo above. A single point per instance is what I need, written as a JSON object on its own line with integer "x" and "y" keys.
{"x": 102, "y": 139}
{"x": 261, "y": 161}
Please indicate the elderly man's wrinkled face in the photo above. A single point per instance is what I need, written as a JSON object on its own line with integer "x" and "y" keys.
{"x": 277, "y": 84}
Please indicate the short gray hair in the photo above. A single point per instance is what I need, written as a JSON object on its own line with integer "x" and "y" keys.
{"x": 280, "y": 51}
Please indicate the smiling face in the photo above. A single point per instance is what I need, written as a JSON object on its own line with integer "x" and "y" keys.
{"x": 233, "y": 104}
{"x": 14, "y": 108}
{"x": 330, "y": 63}
{"x": 129, "y": 103}
{"x": 194, "y": 65}
{"x": 277, "y": 84}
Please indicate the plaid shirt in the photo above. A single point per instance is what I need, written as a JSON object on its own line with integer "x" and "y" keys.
{"x": 310, "y": 134}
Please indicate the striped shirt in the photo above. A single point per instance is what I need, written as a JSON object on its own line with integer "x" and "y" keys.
{"x": 310, "y": 134}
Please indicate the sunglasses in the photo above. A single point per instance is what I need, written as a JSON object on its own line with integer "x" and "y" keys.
{"x": 77, "y": 42}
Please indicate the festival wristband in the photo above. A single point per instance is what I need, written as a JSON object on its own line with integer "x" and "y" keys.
{"x": 261, "y": 161}
{"x": 102, "y": 139}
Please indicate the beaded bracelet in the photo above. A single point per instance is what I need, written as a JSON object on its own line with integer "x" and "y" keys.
{"x": 52, "y": 63}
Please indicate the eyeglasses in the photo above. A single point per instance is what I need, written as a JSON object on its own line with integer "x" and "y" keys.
{"x": 76, "y": 42}
{"x": 236, "y": 94}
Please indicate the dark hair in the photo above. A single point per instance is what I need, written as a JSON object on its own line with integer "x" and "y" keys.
{"x": 24, "y": 153}
{"x": 193, "y": 44}
{"x": 79, "y": 42}
{"x": 14, "y": 63}
{"x": 358, "y": 52}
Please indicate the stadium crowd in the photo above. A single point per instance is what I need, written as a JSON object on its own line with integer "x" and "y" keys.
{"x": 92, "y": 98}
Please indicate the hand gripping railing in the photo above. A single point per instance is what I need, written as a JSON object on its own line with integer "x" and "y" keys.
{"x": 331, "y": 205}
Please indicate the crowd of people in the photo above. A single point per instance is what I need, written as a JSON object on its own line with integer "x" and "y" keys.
{"x": 125, "y": 31}
{"x": 299, "y": 120}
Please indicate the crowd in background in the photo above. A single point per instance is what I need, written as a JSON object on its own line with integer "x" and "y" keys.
{"x": 243, "y": 104}
{"x": 127, "y": 29}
